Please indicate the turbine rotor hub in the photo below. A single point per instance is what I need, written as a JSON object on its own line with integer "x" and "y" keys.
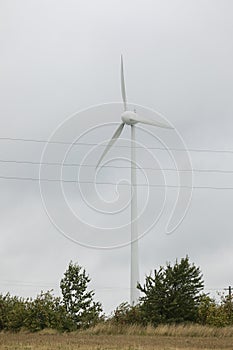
{"x": 129, "y": 117}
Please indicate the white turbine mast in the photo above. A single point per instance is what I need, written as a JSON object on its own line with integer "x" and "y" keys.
{"x": 131, "y": 118}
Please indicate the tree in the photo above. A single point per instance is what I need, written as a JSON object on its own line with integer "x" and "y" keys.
{"x": 12, "y": 312}
{"x": 173, "y": 294}
{"x": 47, "y": 311}
{"x": 77, "y": 300}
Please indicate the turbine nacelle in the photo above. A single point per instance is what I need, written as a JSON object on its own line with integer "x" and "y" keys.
{"x": 129, "y": 118}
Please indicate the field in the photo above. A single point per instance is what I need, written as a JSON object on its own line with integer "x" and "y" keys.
{"x": 130, "y": 338}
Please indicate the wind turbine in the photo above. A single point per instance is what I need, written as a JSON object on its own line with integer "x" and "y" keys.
{"x": 131, "y": 118}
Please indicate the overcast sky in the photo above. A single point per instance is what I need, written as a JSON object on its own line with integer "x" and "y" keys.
{"x": 61, "y": 57}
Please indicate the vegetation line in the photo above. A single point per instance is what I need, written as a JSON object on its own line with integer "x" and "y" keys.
{"x": 172, "y": 303}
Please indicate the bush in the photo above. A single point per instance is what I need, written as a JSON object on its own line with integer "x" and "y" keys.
{"x": 215, "y": 314}
{"x": 47, "y": 311}
{"x": 12, "y": 312}
{"x": 126, "y": 314}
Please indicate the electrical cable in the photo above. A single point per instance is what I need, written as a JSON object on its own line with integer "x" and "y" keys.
{"x": 121, "y": 146}
{"x": 113, "y": 183}
{"x": 116, "y": 167}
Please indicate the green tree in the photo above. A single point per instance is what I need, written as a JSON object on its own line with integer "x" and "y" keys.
{"x": 173, "y": 294}
{"x": 77, "y": 299}
{"x": 47, "y": 311}
{"x": 12, "y": 312}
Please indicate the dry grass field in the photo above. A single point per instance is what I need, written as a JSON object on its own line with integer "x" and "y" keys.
{"x": 105, "y": 337}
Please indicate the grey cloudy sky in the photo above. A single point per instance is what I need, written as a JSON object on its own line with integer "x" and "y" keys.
{"x": 60, "y": 57}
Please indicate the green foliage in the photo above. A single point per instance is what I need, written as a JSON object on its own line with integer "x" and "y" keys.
{"x": 77, "y": 299}
{"x": 77, "y": 308}
{"x": 46, "y": 311}
{"x": 172, "y": 295}
{"x": 215, "y": 314}
{"x": 12, "y": 312}
{"x": 126, "y": 314}
{"x": 227, "y": 308}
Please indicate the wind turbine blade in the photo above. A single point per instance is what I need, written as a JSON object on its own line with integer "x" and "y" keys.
{"x": 111, "y": 142}
{"x": 123, "y": 92}
{"x": 148, "y": 121}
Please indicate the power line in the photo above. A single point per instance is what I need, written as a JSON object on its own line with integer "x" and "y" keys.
{"x": 16, "y": 283}
{"x": 214, "y": 289}
{"x": 27, "y": 284}
{"x": 113, "y": 183}
{"x": 49, "y": 284}
{"x": 116, "y": 167}
{"x": 206, "y": 150}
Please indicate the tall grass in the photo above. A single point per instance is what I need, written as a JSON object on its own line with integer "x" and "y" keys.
{"x": 192, "y": 330}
